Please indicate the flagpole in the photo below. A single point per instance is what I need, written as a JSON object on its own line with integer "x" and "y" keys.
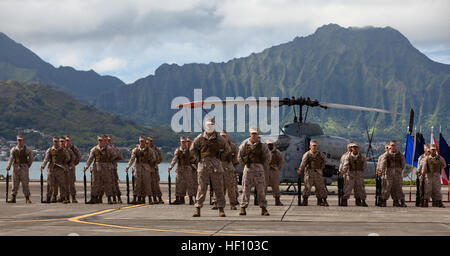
{"x": 412, "y": 166}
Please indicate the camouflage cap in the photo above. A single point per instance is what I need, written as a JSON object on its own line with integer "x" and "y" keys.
{"x": 354, "y": 144}
{"x": 150, "y": 138}
{"x": 254, "y": 130}
{"x": 67, "y": 137}
{"x": 183, "y": 139}
{"x": 188, "y": 139}
{"x": 55, "y": 138}
{"x": 19, "y": 137}
{"x": 99, "y": 137}
{"x": 313, "y": 142}
{"x": 142, "y": 138}
{"x": 223, "y": 132}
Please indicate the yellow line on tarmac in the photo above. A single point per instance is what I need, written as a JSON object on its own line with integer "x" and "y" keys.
{"x": 77, "y": 220}
{"x": 24, "y": 221}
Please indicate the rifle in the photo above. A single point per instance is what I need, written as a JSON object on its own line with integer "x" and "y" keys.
{"x": 377, "y": 191}
{"x": 211, "y": 192}
{"x": 340, "y": 189}
{"x": 7, "y": 185}
{"x": 418, "y": 193}
{"x": 255, "y": 202}
{"x": 128, "y": 189}
{"x": 422, "y": 191}
{"x": 299, "y": 191}
{"x": 170, "y": 189}
{"x": 133, "y": 181}
{"x": 42, "y": 188}
{"x": 84, "y": 184}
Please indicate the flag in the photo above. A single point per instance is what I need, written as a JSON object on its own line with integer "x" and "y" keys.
{"x": 410, "y": 148}
{"x": 445, "y": 153}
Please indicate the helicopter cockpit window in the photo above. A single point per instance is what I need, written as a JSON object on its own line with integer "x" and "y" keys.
{"x": 283, "y": 142}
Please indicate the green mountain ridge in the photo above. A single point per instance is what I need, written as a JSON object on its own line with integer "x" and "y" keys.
{"x": 373, "y": 67}
{"x": 21, "y": 64}
{"x": 55, "y": 113}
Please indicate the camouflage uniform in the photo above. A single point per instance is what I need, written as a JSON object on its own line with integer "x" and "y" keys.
{"x": 182, "y": 158}
{"x": 392, "y": 169}
{"x": 254, "y": 157}
{"x": 272, "y": 178}
{"x": 229, "y": 174}
{"x": 21, "y": 160}
{"x": 432, "y": 175}
{"x": 58, "y": 159}
{"x": 208, "y": 147}
{"x": 420, "y": 169}
{"x": 102, "y": 180}
{"x": 75, "y": 158}
{"x": 141, "y": 156}
{"x": 354, "y": 167}
{"x": 116, "y": 188}
{"x": 155, "y": 179}
{"x": 313, "y": 164}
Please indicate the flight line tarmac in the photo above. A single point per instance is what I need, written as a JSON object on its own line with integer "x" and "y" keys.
{"x": 59, "y": 219}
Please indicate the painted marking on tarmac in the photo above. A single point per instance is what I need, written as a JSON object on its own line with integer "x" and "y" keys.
{"x": 25, "y": 221}
{"x": 78, "y": 220}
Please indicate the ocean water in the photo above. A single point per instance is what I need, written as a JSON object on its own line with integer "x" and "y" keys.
{"x": 35, "y": 172}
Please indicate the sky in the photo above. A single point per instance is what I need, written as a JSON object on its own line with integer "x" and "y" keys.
{"x": 131, "y": 39}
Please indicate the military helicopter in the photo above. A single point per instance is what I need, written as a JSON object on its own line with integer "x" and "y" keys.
{"x": 295, "y": 138}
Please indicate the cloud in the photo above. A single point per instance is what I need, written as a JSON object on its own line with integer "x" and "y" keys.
{"x": 109, "y": 64}
{"x": 128, "y": 38}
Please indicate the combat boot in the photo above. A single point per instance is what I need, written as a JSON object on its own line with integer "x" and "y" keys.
{"x": 12, "y": 200}
{"x": 177, "y": 200}
{"x": 396, "y": 203}
{"x": 278, "y": 202}
{"x": 425, "y": 203}
{"x": 324, "y": 202}
{"x": 65, "y": 200}
{"x": 221, "y": 212}
{"x": 191, "y": 200}
{"x": 344, "y": 202}
{"x": 160, "y": 201}
{"x": 305, "y": 201}
{"x": 150, "y": 201}
{"x": 53, "y": 199}
{"x": 433, "y": 203}
{"x": 358, "y": 202}
{"x": 264, "y": 212}
{"x": 114, "y": 200}
{"x": 382, "y": 203}
{"x": 100, "y": 200}
{"x": 233, "y": 207}
{"x": 196, "y": 212}
{"x": 403, "y": 204}
{"x": 110, "y": 200}
{"x": 74, "y": 200}
{"x": 134, "y": 200}
{"x": 119, "y": 200}
{"x": 60, "y": 200}
{"x": 142, "y": 200}
{"x": 319, "y": 201}
{"x": 214, "y": 206}
{"x": 92, "y": 201}
{"x": 363, "y": 203}
{"x": 47, "y": 201}
{"x": 155, "y": 201}
{"x": 182, "y": 201}
{"x": 242, "y": 212}
{"x": 440, "y": 204}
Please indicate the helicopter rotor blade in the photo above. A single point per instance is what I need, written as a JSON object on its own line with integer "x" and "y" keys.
{"x": 268, "y": 102}
{"x": 352, "y": 107}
